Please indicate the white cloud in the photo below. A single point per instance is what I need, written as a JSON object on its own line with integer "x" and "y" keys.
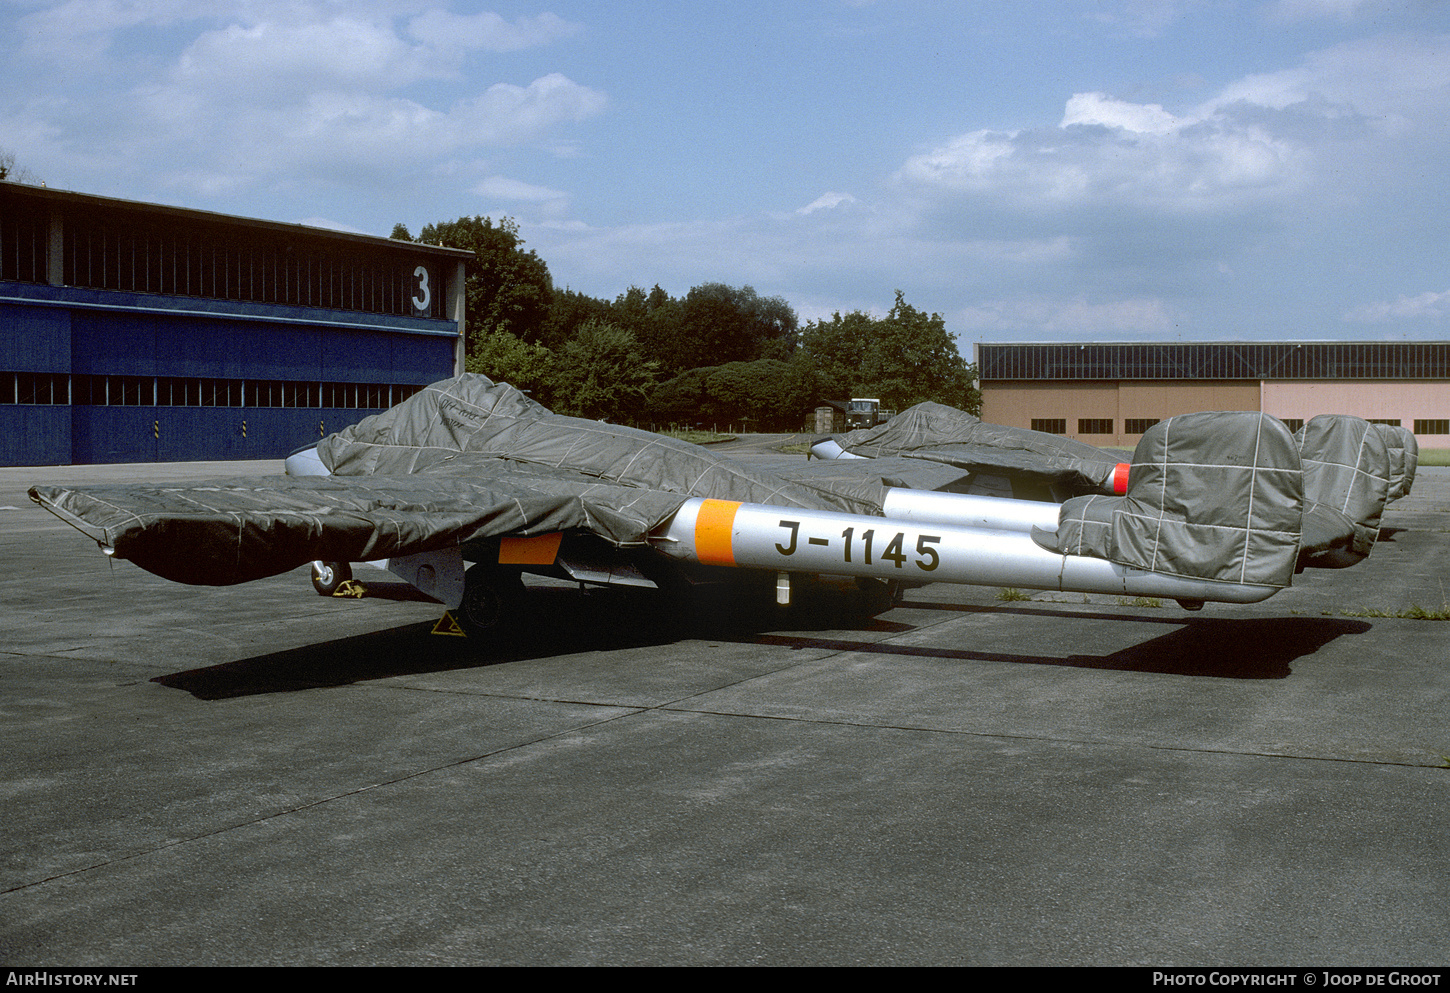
{"x": 547, "y": 204}
{"x": 1263, "y": 139}
{"x": 825, "y": 202}
{"x": 1097, "y": 108}
{"x": 508, "y": 114}
{"x": 1072, "y": 319}
{"x": 329, "y": 224}
{"x": 1141, "y": 18}
{"x": 503, "y": 188}
{"x": 1389, "y": 76}
{"x": 1426, "y": 306}
{"x": 80, "y": 31}
{"x": 487, "y": 31}
{"x": 246, "y": 61}
{"x": 221, "y": 99}
{"x": 1304, "y": 10}
{"x": 1139, "y": 162}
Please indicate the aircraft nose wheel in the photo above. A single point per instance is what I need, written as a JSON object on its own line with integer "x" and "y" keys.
{"x": 328, "y": 576}
{"x": 492, "y": 601}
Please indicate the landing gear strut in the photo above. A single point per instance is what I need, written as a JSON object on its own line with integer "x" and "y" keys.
{"x": 492, "y": 601}
{"x": 328, "y": 576}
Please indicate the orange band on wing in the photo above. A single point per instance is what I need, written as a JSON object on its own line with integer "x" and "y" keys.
{"x": 1120, "y": 478}
{"x": 540, "y": 549}
{"x": 713, "y": 525}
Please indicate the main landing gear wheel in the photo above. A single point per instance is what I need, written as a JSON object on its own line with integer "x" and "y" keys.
{"x": 328, "y": 576}
{"x": 492, "y": 601}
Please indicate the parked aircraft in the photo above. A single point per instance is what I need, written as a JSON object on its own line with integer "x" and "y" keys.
{"x": 469, "y": 484}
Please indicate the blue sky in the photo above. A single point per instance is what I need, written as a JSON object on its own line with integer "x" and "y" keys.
{"x": 1081, "y": 170}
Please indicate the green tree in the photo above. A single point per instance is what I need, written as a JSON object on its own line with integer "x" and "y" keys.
{"x": 507, "y": 358}
{"x": 603, "y": 373}
{"x": 905, "y": 358}
{"x": 568, "y": 310}
{"x": 681, "y": 400}
{"x": 721, "y": 323}
{"x": 838, "y": 350}
{"x": 654, "y": 318}
{"x": 766, "y": 394}
{"x": 506, "y": 288}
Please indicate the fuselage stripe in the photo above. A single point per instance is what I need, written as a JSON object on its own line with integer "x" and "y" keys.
{"x": 713, "y": 526}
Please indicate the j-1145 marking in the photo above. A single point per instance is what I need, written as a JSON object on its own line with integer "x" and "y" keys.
{"x": 891, "y": 553}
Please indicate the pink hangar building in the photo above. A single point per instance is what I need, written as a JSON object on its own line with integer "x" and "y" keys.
{"x": 1108, "y": 394}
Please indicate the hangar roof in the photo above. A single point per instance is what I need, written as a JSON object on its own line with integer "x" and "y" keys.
{"x": 155, "y": 211}
{"x": 1217, "y": 360}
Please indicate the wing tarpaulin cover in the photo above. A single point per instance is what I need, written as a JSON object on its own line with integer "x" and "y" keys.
{"x": 938, "y": 433}
{"x": 463, "y": 460}
{"x": 1210, "y": 496}
{"x": 467, "y": 421}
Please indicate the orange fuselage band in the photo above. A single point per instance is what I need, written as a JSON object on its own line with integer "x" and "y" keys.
{"x": 713, "y": 526}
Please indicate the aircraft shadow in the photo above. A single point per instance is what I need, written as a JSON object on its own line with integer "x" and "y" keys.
{"x": 1222, "y": 647}
{"x": 559, "y": 621}
{"x": 562, "y": 622}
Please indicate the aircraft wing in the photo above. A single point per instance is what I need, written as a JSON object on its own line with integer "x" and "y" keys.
{"x": 463, "y": 460}
{"x": 220, "y": 533}
{"x": 1034, "y": 463}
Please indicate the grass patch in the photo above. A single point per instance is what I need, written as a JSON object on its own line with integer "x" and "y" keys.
{"x": 799, "y": 448}
{"x": 1414, "y": 612}
{"x": 1011, "y": 593}
{"x": 1151, "y": 602}
{"x": 1435, "y": 456}
{"x": 696, "y": 437}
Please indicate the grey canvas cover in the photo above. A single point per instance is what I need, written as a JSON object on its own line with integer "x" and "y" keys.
{"x": 1346, "y": 470}
{"x": 463, "y": 460}
{"x": 865, "y": 480}
{"x": 1404, "y": 453}
{"x": 937, "y": 433}
{"x": 1210, "y": 496}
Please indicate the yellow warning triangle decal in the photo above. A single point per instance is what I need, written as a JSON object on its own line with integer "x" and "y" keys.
{"x": 449, "y": 626}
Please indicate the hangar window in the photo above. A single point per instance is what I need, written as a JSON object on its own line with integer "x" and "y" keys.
{"x": 1432, "y": 426}
{"x": 184, "y": 391}
{"x": 1050, "y": 425}
{"x": 1294, "y": 424}
{"x": 1094, "y": 425}
{"x": 24, "y": 239}
{"x": 121, "y": 250}
{"x": 1137, "y": 425}
{"x": 1393, "y": 422}
{"x": 339, "y": 395}
{"x": 259, "y": 393}
{"x": 33, "y": 388}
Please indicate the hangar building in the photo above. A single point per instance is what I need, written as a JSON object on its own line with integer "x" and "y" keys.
{"x": 131, "y": 332}
{"x": 1109, "y": 394}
